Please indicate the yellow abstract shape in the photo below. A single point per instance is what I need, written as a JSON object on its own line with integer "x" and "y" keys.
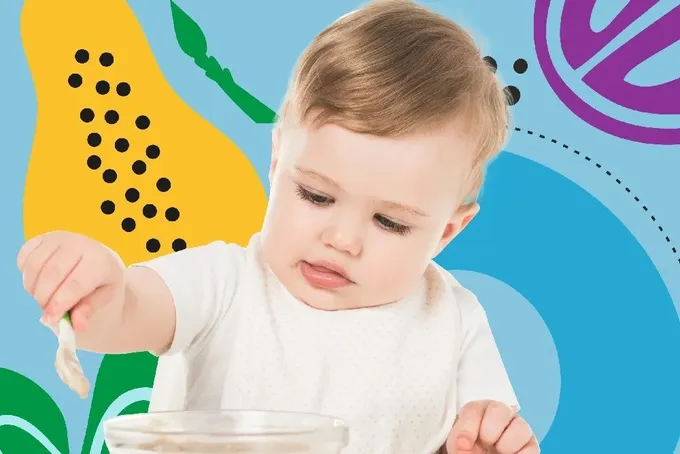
{"x": 85, "y": 54}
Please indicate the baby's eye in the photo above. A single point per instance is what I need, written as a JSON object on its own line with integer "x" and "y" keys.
{"x": 313, "y": 197}
{"x": 391, "y": 226}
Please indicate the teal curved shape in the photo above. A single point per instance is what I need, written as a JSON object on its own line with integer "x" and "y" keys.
{"x": 20, "y": 423}
{"x": 117, "y": 406}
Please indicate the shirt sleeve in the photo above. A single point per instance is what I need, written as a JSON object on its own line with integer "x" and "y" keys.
{"x": 481, "y": 372}
{"x": 202, "y": 281}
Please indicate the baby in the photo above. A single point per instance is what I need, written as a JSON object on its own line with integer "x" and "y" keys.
{"x": 336, "y": 305}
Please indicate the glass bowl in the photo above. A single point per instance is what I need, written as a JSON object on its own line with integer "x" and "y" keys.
{"x": 225, "y": 432}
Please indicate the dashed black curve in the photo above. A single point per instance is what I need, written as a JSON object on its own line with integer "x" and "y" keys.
{"x": 609, "y": 174}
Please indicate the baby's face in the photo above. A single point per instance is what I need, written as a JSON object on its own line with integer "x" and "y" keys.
{"x": 374, "y": 210}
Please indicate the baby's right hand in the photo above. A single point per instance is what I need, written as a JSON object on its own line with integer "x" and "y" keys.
{"x": 66, "y": 271}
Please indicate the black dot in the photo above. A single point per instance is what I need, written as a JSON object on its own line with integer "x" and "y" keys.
{"x": 172, "y": 214}
{"x": 75, "y": 80}
{"x": 132, "y": 195}
{"x": 108, "y": 207}
{"x": 82, "y": 56}
{"x": 111, "y": 117}
{"x": 512, "y": 94}
{"x": 128, "y": 224}
{"x": 122, "y": 145}
{"x": 149, "y": 210}
{"x": 87, "y": 115}
{"x": 520, "y": 66}
{"x": 491, "y": 62}
{"x": 94, "y": 139}
{"x": 153, "y": 245}
{"x": 179, "y": 244}
{"x": 102, "y": 87}
{"x": 163, "y": 184}
{"x": 94, "y": 162}
{"x": 152, "y": 151}
{"x": 123, "y": 89}
{"x": 142, "y": 122}
{"x": 110, "y": 176}
{"x": 139, "y": 167}
{"x": 106, "y": 59}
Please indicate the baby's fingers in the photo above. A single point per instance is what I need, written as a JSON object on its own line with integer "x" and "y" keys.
{"x": 35, "y": 261}
{"x": 55, "y": 270}
{"x": 26, "y": 250}
{"x": 81, "y": 282}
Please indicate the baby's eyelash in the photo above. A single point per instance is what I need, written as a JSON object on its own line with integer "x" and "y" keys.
{"x": 392, "y": 226}
{"x": 322, "y": 201}
{"x": 313, "y": 197}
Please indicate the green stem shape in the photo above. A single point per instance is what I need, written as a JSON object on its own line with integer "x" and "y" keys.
{"x": 192, "y": 41}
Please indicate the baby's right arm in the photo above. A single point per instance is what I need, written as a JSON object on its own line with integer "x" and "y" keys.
{"x": 113, "y": 309}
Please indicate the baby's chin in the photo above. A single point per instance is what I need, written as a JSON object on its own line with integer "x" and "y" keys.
{"x": 345, "y": 299}
{"x": 322, "y": 299}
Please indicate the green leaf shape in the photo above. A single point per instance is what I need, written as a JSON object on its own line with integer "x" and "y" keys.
{"x": 30, "y": 420}
{"x": 192, "y": 41}
{"x": 118, "y": 374}
{"x": 189, "y": 35}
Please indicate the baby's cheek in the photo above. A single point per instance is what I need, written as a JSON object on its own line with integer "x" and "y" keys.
{"x": 396, "y": 274}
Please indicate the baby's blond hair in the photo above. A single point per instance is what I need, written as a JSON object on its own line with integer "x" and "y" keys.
{"x": 393, "y": 67}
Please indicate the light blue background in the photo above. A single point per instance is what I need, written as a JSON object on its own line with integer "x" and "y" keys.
{"x": 601, "y": 296}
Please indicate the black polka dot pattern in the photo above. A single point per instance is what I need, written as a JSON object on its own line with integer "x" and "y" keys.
{"x": 123, "y": 89}
{"x": 111, "y": 117}
{"x": 520, "y": 66}
{"x": 106, "y": 59}
{"x": 153, "y": 152}
{"x": 121, "y": 145}
{"x": 493, "y": 65}
{"x": 163, "y": 184}
{"x": 179, "y": 244}
{"x": 153, "y": 245}
{"x": 108, "y": 207}
{"x": 128, "y": 225}
{"x": 99, "y": 139}
{"x": 75, "y": 80}
{"x": 94, "y": 139}
{"x": 142, "y": 122}
{"x": 102, "y": 87}
{"x": 82, "y": 56}
{"x": 87, "y": 115}
{"x": 149, "y": 211}
{"x": 512, "y": 94}
{"x": 94, "y": 162}
{"x": 172, "y": 214}
{"x": 132, "y": 195}
{"x": 110, "y": 176}
{"x": 139, "y": 167}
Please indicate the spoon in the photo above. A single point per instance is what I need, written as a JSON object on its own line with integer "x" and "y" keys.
{"x": 67, "y": 364}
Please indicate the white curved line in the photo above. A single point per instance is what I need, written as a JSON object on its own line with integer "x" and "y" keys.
{"x": 118, "y": 405}
{"x": 20, "y": 423}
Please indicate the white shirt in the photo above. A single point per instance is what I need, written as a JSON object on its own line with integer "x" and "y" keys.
{"x": 397, "y": 374}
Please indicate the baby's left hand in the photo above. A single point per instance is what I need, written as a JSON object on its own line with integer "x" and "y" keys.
{"x": 489, "y": 427}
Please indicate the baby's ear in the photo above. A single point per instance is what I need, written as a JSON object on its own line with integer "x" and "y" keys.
{"x": 465, "y": 214}
{"x": 460, "y": 219}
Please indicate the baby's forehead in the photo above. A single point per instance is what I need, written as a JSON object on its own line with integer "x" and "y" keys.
{"x": 428, "y": 161}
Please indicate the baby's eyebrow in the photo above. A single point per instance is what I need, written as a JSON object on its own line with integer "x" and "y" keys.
{"x": 386, "y": 203}
{"x": 410, "y": 210}
{"x": 319, "y": 176}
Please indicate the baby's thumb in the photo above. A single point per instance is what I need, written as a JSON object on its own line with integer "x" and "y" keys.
{"x": 463, "y": 436}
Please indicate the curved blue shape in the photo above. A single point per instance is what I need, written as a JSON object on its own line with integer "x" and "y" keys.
{"x": 613, "y": 321}
{"x": 523, "y": 337}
